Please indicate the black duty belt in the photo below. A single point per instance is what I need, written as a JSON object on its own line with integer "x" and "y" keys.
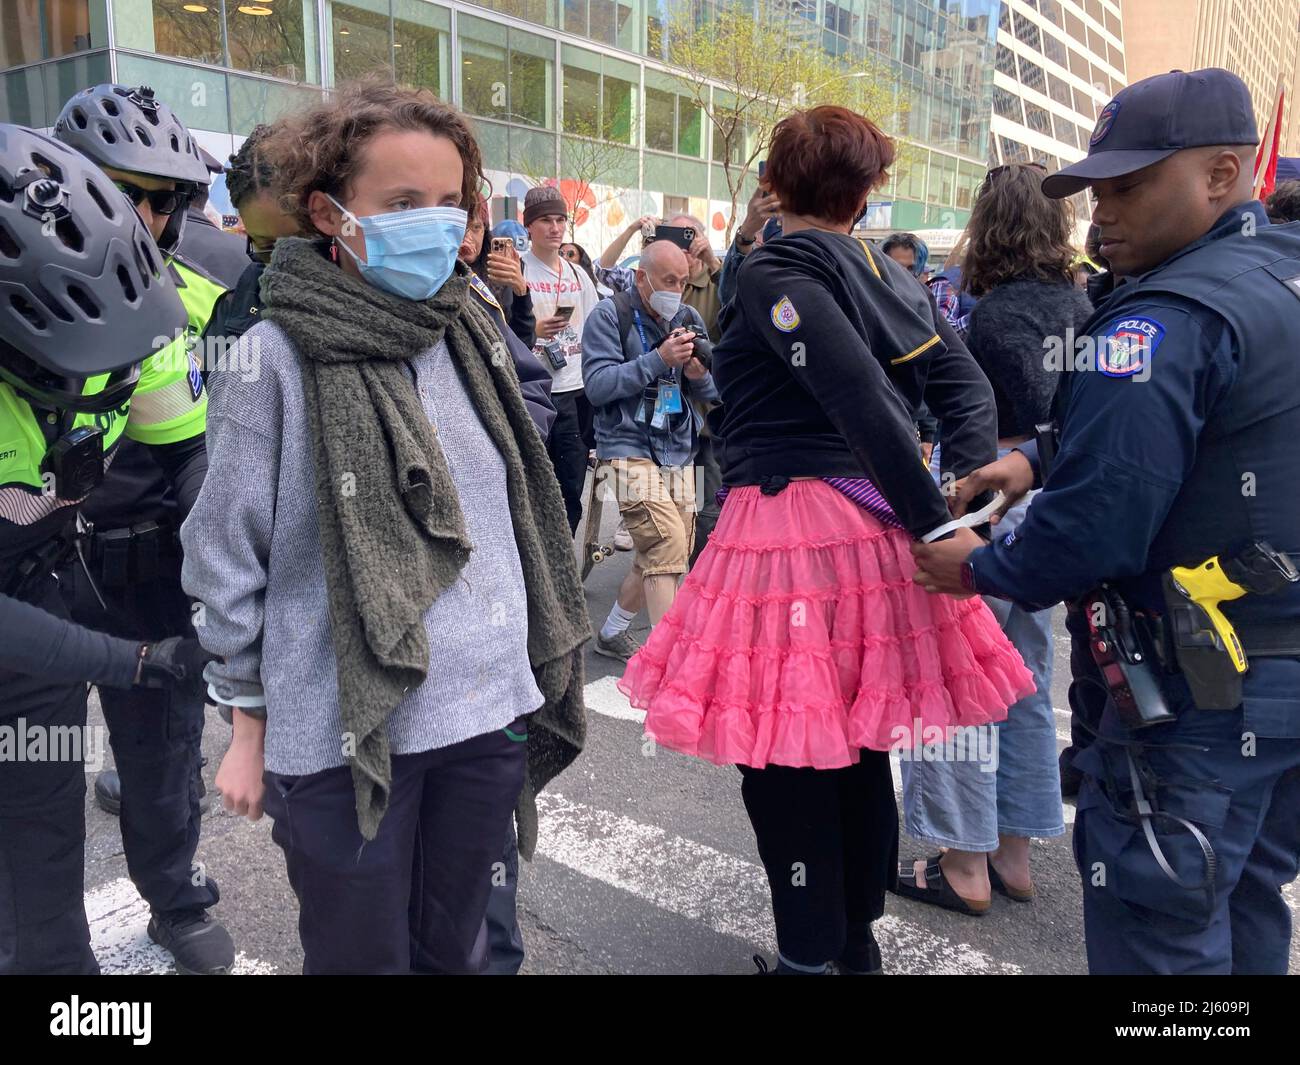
{"x": 136, "y": 555}
{"x": 42, "y": 561}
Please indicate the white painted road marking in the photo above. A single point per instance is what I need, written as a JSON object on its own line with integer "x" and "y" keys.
{"x": 603, "y": 697}
{"x": 118, "y": 921}
{"x": 703, "y": 884}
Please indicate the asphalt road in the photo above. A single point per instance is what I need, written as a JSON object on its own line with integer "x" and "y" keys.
{"x": 646, "y": 864}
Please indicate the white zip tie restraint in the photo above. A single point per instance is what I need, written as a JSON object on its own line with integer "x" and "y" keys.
{"x": 966, "y": 521}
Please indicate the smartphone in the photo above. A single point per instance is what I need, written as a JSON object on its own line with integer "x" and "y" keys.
{"x": 682, "y": 236}
{"x": 502, "y": 244}
{"x": 762, "y": 166}
{"x": 565, "y": 311}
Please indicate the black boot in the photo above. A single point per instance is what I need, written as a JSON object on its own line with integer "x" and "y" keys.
{"x": 108, "y": 790}
{"x": 198, "y": 945}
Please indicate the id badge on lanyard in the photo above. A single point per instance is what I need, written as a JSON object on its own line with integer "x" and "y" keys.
{"x": 669, "y": 396}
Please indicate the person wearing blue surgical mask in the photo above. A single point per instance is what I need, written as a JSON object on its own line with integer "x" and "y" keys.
{"x": 381, "y": 529}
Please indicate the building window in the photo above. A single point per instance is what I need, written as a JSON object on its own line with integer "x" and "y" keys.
{"x": 1084, "y": 105}
{"x": 1055, "y": 50}
{"x": 1116, "y": 57}
{"x": 1059, "y": 91}
{"x": 165, "y": 27}
{"x": 1031, "y": 75}
{"x": 1096, "y": 43}
{"x": 1063, "y": 130}
{"x": 1074, "y": 27}
{"x": 32, "y": 30}
{"x": 1093, "y": 7}
{"x": 1013, "y": 151}
{"x": 1007, "y": 104}
{"x": 1079, "y": 66}
{"x": 273, "y": 39}
{"x": 1006, "y": 61}
{"x": 506, "y": 73}
{"x": 1051, "y": 10}
{"x": 660, "y": 120}
{"x": 1113, "y": 24}
{"x": 1038, "y": 119}
{"x": 361, "y": 39}
{"x": 421, "y": 45}
{"x": 1028, "y": 33}
{"x": 690, "y": 128}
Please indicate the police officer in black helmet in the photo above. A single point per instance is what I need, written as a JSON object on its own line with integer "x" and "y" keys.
{"x": 1169, "y": 520}
{"x": 83, "y": 295}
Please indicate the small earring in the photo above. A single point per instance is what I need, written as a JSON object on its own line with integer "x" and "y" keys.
{"x": 334, "y": 250}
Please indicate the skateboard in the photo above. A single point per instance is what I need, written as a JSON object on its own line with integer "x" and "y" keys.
{"x": 594, "y": 550}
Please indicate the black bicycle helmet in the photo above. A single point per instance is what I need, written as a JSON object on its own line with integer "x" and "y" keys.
{"x": 83, "y": 287}
{"x": 129, "y": 130}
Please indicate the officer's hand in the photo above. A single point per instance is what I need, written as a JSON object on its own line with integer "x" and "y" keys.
{"x": 677, "y": 348}
{"x": 239, "y": 777}
{"x": 503, "y": 269}
{"x": 939, "y": 564}
{"x": 1011, "y": 474}
{"x": 174, "y": 662}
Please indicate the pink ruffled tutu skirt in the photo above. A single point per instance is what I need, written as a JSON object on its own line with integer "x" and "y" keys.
{"x": 799, "y": 637}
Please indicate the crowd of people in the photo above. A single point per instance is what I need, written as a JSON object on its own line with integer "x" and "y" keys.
{"x": 327, "y": 475}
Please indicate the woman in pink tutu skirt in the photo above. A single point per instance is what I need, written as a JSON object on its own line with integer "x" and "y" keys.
{"x": 798, "y": 648}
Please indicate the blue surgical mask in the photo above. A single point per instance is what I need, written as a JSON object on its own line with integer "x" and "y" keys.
{"x": 408, "y": 253}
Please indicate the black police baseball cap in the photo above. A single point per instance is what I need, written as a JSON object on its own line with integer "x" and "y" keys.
{"x": 1153, "y": 118}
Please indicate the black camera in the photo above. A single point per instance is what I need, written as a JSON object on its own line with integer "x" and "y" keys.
{"x": 702, "y": 345}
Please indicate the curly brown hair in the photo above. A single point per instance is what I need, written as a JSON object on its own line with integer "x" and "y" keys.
{"x": 322, "y": 148}
{"x": 1016, "y": 232}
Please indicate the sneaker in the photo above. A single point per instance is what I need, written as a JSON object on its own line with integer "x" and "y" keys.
{"x": 623, "y": 538}
{"x": 198, "y": 945}
{"x": 623, "y": 646}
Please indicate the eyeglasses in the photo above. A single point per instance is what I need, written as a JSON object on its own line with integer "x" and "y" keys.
{"x": 259, "y": 252}
{"x": 161, "y": 201}
{"x": 1011, "y": 166}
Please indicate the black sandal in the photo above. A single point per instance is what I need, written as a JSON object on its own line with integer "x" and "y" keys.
{"x": 938, "y": 892}
{"x": 1000, "y": 886}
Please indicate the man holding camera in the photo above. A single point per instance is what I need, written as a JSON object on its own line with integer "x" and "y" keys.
{"x": 644, "y": 361}
{"x": 563, "y": 296}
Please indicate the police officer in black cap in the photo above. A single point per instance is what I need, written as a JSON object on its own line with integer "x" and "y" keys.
{"x": 1170, "y": 521}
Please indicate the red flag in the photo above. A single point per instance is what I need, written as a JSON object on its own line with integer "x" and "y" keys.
{"x": 1266, "y": 157}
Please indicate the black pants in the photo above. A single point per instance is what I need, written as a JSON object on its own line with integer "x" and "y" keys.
{"x": 505, "y": 940}
{"x": 156, "y": 735}
{"x": 569, "y": 442}
{"x": 829, "y": 842}
{"x": 711, "y": 480}
{"x": 414, "y": 898}
{"x": 43, "y": 925}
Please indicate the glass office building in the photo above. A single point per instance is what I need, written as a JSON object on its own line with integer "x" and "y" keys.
{"x": 533, "y": 73}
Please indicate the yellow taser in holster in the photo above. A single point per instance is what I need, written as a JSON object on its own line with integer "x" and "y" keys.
{"x": 1209, "y": 652}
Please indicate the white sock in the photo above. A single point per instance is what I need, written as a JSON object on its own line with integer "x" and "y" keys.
{"x": 617, "y": 622}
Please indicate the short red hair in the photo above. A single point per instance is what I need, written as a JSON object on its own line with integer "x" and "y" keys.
{"x": 822, "y": 162}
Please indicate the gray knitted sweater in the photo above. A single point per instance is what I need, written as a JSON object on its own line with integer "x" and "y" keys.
{"x": 253, "y": 560}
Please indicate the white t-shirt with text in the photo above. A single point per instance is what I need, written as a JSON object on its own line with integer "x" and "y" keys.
{"x": 547, "y": 286}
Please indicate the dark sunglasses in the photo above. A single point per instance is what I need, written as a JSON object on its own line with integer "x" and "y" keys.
{"x": 161, "y": 201}
{"x": 259, "y": 253}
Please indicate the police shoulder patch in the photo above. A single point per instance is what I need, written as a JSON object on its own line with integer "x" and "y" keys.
{"x": 784, "y": 316}
{"x": 1127, "y": 345}
{"x": 480, "y": 286}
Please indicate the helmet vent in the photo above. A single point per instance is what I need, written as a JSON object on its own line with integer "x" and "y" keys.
{"x": 66, "y": 230}
{"x": 82, "y": 299}
{"x": 143, "y": 134}
{"x": 110, "y": 107}
{"x": 9, "y": 247}
{"x": 100, "y": 202}
{"x": 48, "y": 168}
{"x": 79, "y": 118}
{"x": 26, "y": 310}
{"x": 176, "y": 145}
{"x": 128, "y": 286}
{"x": 108, "y": 135}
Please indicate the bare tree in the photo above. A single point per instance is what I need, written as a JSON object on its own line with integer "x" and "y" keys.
{"x": 747, "y": 66}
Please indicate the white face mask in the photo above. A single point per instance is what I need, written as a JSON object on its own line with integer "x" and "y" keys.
{"x": 665, "y": 304}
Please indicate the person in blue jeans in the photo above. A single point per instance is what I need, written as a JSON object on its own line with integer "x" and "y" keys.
{"x": 986, "y": 797}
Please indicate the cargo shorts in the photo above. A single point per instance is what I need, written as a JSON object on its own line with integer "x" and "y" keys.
{"x": 658, "y": 507}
